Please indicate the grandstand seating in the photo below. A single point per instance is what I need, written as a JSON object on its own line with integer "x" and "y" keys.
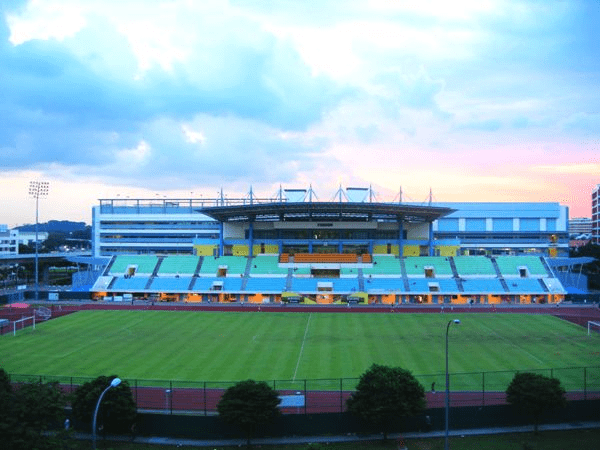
{"x": 324, "y": 258}
{"x": 424, "y": 285}
{"x": 474, "y": 266}
{"x": 236, "y": 265}
{"x": 170, "y": 284}
{"x": 384, "y": 265}
{"x": 266, "y": 285}
{"x": 461, "y": 277}
{"x": 509, "y": 265}
{"x": 384, "y": 284}
{"x": 415, "y": 266}
{"x": 526, "y": 285}
{"x": 311, "y": 284}
{"x": 179, "y": 264}
{"x": 267, "y": 265}
{"x": 483, "y": 285}
{"x": 301, "y": 270}
{"x": 131, "y": 284}
{"x": 205, "y": 284}
{"x": 304, "y": 284}
{"x": 144, "y": 264}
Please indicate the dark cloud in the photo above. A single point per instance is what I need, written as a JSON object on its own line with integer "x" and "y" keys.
{"x": 59, "y": 106}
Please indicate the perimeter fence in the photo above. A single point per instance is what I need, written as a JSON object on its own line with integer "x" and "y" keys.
{"x": 329, "y": 395}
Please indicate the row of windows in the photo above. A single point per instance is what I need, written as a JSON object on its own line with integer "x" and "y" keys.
{"x": 158, "y": 224}
{"x": 154, "y": 236}
{"x": 502, "y": 237}
{"x": 502, "y": 224}
{"x": 325, "y": 234}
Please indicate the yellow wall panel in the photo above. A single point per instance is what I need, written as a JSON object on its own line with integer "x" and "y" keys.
{"x": 204, "y": 250}
{"x": 240, "y": 250}
{"x": 411, "y": 250}
{"x": 448, "y": 250}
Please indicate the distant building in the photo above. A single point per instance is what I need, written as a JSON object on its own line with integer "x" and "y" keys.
{"x": 9, "y": 244}
{"x": 28, "y": 237}
{"x": 580, "y": 226}
{"x": 596, "y": 215}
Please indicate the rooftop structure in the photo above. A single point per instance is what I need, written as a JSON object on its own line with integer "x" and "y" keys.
{"x": 294, "y": 221}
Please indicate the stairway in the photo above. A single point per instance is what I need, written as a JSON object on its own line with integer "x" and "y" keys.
{"x": 246, "y": 273}
{"x": 404, "y": 275}
{"x": 361, "y": 280}
{"x": 499, "y": 275}
{"x": 457, "y": 277}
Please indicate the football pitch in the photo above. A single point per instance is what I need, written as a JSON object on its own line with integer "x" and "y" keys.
{"x": 231, "y": 346}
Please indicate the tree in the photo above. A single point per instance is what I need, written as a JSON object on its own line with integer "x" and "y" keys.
{"x": 5, "y": 387}
{"x": 385, "y": 395}
{"x": 249, "y": 404}
{"x": 117, "y": 411}
{"x": 28, "y": 412}
{"x": 533, "y": 393}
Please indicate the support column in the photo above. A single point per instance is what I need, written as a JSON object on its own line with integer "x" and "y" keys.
{"x": 401, "y": 236}
{"x": 221, "y": 240}
{"x": 430, "y": 243}
{"x": 251, "y": 238}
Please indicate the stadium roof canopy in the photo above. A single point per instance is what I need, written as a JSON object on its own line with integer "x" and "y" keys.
{"x": 325, "y": 211}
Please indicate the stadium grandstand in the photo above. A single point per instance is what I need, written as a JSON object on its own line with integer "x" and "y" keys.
{"x": 294, "y": 248}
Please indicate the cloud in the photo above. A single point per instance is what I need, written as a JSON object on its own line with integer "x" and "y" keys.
{"x": 167, "y": 95}
{"x": 573, "y": 168}
{"x": 582, "y": 121}
{"x": 482, "y": 125}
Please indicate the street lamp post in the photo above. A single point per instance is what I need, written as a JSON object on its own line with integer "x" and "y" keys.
{"x": 37, "y": 189}
{"x": 446, "y": 443}
{"x": 114, "y": 383}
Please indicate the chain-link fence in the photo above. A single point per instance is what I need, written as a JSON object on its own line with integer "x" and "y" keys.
{"x": 330, "y": 395}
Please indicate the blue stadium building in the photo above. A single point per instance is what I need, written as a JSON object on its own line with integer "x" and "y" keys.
{"x": 350, "y": 249}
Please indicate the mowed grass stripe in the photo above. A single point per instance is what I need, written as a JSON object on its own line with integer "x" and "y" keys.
{"x": 217, "y": 346}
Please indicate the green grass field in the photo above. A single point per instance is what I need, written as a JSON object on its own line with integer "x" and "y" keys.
{"x": 221, "y": 346}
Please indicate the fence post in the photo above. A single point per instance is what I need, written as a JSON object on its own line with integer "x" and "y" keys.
{"x": 341, "y": 396}
{"x": 205, "y": 408}
{"x": 483, "y": 388}
{"x": 305, "y": 397}
{"x": 585, "y": 383}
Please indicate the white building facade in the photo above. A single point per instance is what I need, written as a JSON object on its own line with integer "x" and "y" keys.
{"x": 9, "y": 241}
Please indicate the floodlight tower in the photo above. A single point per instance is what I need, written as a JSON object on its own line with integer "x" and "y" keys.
{"x": 37, "y": 189}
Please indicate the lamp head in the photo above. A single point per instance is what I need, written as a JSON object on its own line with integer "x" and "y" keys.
{"x": 115, "y": 382}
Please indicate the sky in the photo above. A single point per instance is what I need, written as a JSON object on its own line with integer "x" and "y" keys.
{"x": 483, "y": 100}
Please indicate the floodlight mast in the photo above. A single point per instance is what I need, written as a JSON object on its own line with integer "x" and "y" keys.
{"x": 37, "y": 189}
